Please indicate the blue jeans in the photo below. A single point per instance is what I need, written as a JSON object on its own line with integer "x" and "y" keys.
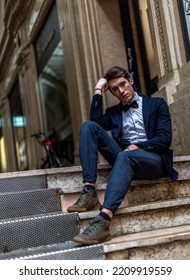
{"x": 125, "y": 164}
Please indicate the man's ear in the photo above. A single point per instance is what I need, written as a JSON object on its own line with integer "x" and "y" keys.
{"x": 131, "y": 81}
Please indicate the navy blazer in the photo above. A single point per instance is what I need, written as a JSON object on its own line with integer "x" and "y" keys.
{"x": 157, "y": 122}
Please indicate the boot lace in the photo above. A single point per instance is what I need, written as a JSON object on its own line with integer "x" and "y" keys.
{"x": 82, "y": 198}
{"x": 93, "y": 226}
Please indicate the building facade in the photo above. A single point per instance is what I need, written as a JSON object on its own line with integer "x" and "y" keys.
{"x": 52, "y": 52}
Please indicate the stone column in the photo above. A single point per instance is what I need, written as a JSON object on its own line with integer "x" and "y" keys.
{"x": 92, "y": 37}
{"x": 166, "y": 43}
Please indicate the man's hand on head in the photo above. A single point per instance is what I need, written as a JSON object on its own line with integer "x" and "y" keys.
{"x": 101, "y": 86}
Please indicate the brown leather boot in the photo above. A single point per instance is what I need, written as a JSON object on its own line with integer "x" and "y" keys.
{"x": 88, "y": 200}
{"x": 97, "y": 232}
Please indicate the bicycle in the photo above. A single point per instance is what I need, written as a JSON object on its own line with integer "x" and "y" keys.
{"x": 53, "y": 159}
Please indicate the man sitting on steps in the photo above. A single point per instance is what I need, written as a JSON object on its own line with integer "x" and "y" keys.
{"x": 139, "y": 146}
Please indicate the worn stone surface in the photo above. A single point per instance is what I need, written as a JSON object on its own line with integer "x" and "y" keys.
{"x": 178, "y": 250}
{"x": 161, "y": 218}
{"x": 181, "y": 132}
{"x": 139, "y": 242}
{"x": 121, "y": 255}
{"x": 167, "y": 190}
{"x": 71, "y": 182}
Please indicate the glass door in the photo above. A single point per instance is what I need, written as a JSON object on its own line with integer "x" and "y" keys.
{"x": 53, "y": 85}
{"x": 55, "y": 104}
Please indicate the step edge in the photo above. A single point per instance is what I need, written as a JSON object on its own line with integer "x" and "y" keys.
{"x": 56, "y": 190}
{"x": 35, "y": 217}
{"x": 70, "y": 169}
{"x": 161, "y": 204}
{"x": 30, "y": 251}
{"x": 102, "y": 186}
{"x": 183, "y": 233}
{"x": 49, "y": 171}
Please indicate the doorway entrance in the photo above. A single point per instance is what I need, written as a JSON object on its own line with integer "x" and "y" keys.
{"x": 139, "y": 47}
{"x": 53, "y": 85}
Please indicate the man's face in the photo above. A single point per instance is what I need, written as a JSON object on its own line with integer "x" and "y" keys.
{"x": 122, "y": 89}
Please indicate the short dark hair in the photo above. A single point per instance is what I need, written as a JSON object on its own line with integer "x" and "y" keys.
{"x": 116, "y": 72}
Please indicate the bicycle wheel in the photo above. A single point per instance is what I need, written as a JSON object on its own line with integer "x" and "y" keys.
{"x": 46, "y": 164}
{"x": 65, "y": 161}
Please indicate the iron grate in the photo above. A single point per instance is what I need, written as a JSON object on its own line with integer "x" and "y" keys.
{"x": 23, "y": 183}
{"x": 37, "y": 230}
{"x": 65, "y": 251}
{"x": 29, "y": 203}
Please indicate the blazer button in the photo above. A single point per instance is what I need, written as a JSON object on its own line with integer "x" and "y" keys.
{"x": 150, "y": 147}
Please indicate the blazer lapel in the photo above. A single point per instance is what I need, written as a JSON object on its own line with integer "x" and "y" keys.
{"x": 118, "y": 114}
{"x": 146, "y": 110}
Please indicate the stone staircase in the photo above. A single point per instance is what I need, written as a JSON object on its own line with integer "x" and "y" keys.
{"x": 153, "y": 221}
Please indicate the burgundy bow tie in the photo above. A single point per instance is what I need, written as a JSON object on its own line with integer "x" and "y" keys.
{"x": 126, "y": 107}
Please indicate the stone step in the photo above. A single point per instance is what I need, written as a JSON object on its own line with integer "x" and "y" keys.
{"x": 63, "y": 251}
{"x": 171, "y": 243}
{"x": 149, "y": 206}
{"x": 68, "y": 177}
{"x": 140, "y": 192}
{"x": 144, "y": 217}
{"x": 37, "y": 230}
{"x": 31, "y": 202}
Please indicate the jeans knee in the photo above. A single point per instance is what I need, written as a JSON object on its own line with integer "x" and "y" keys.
{"x": 88, "y": 125}
{"x": 123, "y": 156}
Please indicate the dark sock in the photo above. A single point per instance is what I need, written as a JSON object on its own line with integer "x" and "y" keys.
{"x": 105, "y": 216}
{"x": 89, "y": 187}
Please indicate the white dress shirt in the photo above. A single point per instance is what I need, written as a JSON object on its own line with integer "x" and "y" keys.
{"x": 133, "y": 124}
